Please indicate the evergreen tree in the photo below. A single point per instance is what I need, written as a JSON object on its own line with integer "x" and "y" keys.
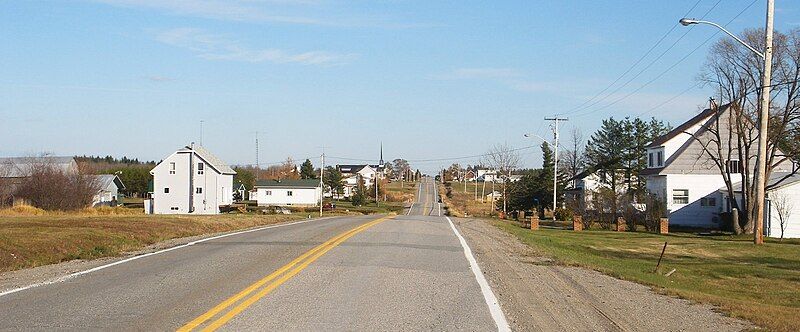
{"x": 307, "y": 170}
{"x": 605, "y": 153}
{"x": 332, "y": 178}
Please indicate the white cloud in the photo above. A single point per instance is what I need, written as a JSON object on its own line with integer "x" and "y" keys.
{"x": 158, "y": 78}
{"x": 219, "y": 47}
{"x": 302, "y": 12}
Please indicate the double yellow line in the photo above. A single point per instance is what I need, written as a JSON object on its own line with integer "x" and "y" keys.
{"x": 270, "y": 282}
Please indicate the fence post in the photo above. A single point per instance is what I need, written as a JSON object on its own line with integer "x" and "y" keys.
{"x": 521, "y": 218}
{"x": 535, "y": 222}
{"x": 663, "y": 226}
{"x": 620, "y": 224}
{"x": 577, "y": 223}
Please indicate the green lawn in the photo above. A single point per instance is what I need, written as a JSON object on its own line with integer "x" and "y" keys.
{"x": 757, "y": 283}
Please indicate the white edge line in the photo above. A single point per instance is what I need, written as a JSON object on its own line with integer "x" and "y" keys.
{"x": 488, "y": 295}
{"x": 98, "y": 268}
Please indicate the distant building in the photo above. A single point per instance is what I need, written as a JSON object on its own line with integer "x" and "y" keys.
{"x": 191, "y": 180}
{"x": 304, "y": 192}
{"x": 352, "y": 174}
{"x": 108, "y": 189}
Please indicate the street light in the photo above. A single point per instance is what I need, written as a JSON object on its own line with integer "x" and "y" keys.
{"x": 690, "y": 21}
{"x": 766, "y": 78}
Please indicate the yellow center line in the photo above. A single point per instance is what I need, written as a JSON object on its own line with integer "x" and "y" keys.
{"x": 314, "y": 254}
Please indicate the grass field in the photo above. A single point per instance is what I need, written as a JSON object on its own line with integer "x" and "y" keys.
{"x": 35, "y": 240}
{"x": 462, "y": 202}
{"x": 760, "y": 284}
{"x": 401, "y": 192}
{"x": 370, "y": 208}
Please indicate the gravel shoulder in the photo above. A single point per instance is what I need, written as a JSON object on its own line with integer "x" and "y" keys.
{"x": 536, "y": 294}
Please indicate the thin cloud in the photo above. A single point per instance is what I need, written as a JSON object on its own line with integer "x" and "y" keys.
{"x": 157, "y": 78}
{"x": 264, "y": 11}
{"x": 479, "y": 73}
{"x": 218, "y": 47}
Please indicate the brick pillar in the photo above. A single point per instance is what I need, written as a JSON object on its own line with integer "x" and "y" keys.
{"x": 577, "y": 223}
{"x": 620, "y": 224}
{"x": 534, "y": 222}
{"x": 663, "y": 226}
{"x": 521, "y": 217}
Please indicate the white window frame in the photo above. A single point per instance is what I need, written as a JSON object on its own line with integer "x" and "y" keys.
{"x": 680, "y": 194}
{"x": 660, "y": 158}
{"x": 200, "y": 168}
{"x": 172, "y": 167}
{"x": 730, "y": 169}
{"x": 198, "y": 190}
{"x": 289, "y": 193}
{"x": 708, "y": 202}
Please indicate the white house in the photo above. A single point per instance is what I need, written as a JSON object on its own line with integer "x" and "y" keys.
{"x": 352, "y": 174}
{"x": 191, "y": 180}
{"x": 488, "y": 175}
{"x": 682, "y": 174}
{"x": 304, "y": 192}
{"x": 783, "y": 202}
{"x": 108, "y": 189}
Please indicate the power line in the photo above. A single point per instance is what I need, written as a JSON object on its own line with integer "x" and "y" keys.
{"x": 668, "y": 69}
{"x": 636, "y": 63}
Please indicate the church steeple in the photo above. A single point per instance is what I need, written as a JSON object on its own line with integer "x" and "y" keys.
{"x": 381, "y": 162}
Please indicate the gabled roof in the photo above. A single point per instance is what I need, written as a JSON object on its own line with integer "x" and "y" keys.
{"x": 301, "y": 183}
{"x": 785, "y": 179}
{"x": 105, "y": 180}
{"x": 17, "y": 167}
{"x": 210, "y": 159}
{"x": 702, "y": 116}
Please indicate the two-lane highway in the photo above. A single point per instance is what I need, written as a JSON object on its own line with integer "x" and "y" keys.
{"x": 408, "y": 272}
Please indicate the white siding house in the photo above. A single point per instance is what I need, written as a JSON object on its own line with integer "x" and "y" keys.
{"x": 352, "y": 173}
{"x": 288, "y": 192}
{"x": 108, "y": 189}
{"x": 191, "y": 180}
{"x": 681, "y": 173}
{"x": 783, "y": 200}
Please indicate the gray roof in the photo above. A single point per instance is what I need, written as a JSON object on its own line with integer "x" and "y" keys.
{"x": 211, "y": 159}
{"x": 105, "y": 180}
{"x": 784, "y": 178}
{"x": 17, "y": 167}
{"x": 302, "y": 183}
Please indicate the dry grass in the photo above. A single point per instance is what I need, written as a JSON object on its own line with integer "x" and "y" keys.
{"x": 397, "y": 193}
{"x": 464, "y": 202}
{"x": 36, "y": 239}
{"x": 27, "y": 210}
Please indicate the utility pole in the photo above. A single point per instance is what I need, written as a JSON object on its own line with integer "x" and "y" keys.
{"x": 761, "y": 173}
{"x": 555, "y": 160}
{"x": 258, "y": 166}
{"x": 321, "y": 183}
{"x": 201, "y": 132}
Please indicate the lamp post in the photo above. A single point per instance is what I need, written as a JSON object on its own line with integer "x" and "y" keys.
{"x": 766, "y": 78}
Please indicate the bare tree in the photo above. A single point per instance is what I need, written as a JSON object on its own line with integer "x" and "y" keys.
{"x": 573, "y": 158}
{"x": 783, "y": 206}
{"x": 736, "y": 73}
{"x": 504, "y": 159}
{"x": 49, "y": 187}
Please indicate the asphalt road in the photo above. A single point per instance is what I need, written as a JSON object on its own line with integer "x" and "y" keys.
{"x": 408, "y": 272}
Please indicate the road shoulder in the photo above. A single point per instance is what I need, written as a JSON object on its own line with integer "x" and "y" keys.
{"x": 536, "y": 294}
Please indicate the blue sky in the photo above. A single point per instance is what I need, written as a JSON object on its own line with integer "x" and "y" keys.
{"x": 430, "y": 79}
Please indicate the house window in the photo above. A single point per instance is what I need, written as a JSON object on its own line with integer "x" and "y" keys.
{"x": 198, "y": 190}
{"x": 660, "y": 158}
{"x": 200, "y": 168}
{"x": 733, "y": 166}
{"x": 166, "y": 190}
{"x": 680, "y": 196}
{"x": 650, "y": 159}
{"x": 268, "y": 193}
{"x": 289, "y": 193}
{"x": 174, "y": 208}
{"x": 708, "y": 201}
{"x": 172, "y": 168}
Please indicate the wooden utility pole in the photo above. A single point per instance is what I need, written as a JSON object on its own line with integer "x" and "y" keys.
{"x": 761, "y": 172}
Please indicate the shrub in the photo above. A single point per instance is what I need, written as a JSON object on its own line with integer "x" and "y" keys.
{"x": 47, "y": 187}
{"x": 563, "y": 214}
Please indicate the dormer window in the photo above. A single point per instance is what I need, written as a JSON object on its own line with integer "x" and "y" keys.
{"x": 733, "y": 167}
{"x": 660, "y": 158}
{"x": 655, "y": 158}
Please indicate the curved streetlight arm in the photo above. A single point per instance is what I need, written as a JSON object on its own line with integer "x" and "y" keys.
{"x": 536, "y": 136}
{"x": 686, "y": 22}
